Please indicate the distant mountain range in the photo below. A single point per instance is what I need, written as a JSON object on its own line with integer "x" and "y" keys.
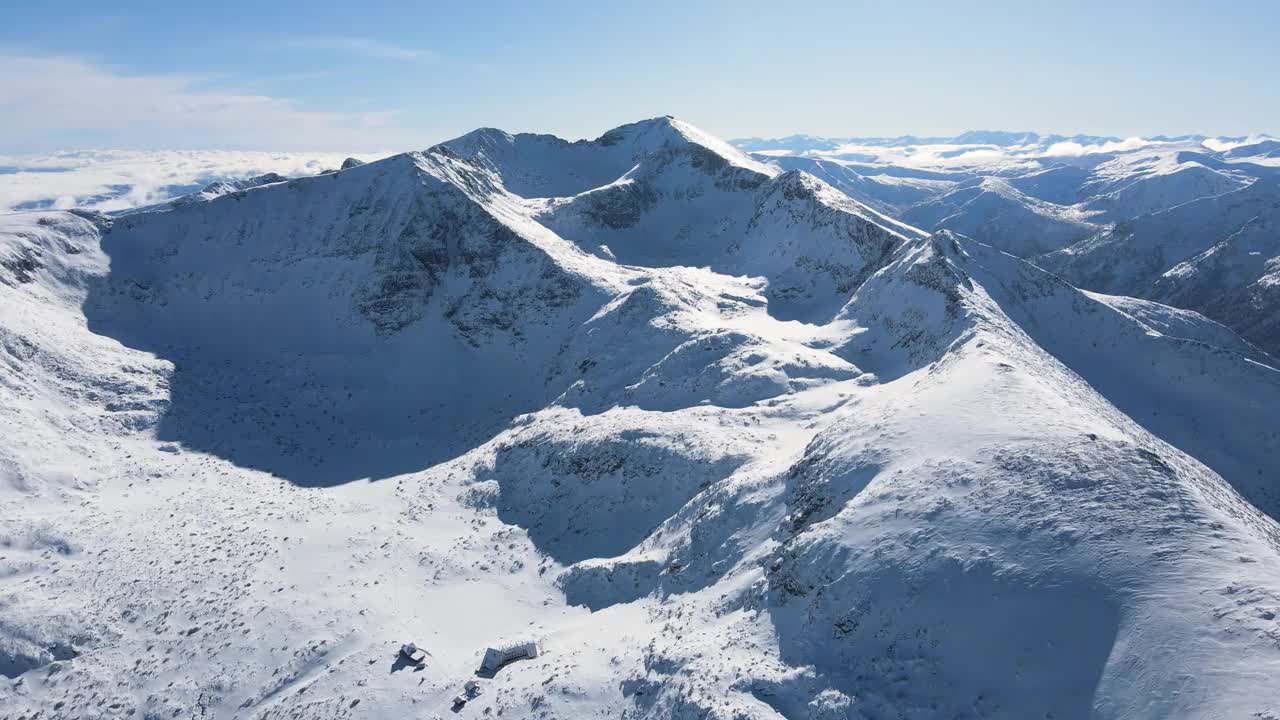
{"x": 1187, "y": 220}
{"x": 997, "y": 138}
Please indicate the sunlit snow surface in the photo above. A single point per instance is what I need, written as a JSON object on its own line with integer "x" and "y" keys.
{"x": 726, "y": 442}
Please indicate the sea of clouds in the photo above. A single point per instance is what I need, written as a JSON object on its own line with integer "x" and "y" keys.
{"x": 108, "y": 180}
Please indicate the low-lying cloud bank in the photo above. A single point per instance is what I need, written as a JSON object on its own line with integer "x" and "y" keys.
{"x": 1071, "y": 148}
{"x": 121, "y": 179}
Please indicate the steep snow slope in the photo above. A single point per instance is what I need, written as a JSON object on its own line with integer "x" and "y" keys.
{"x": 269, "y": 308}
{"x": 661, "y": 194}
{"x": 991, "y": 210}
{"x": 1216, "y": 412}
{"x": 888, "y": 193}
{"x": 1131, "y": 186}
{"x": 1262, "y": 149}
{"x": 1237, "y": 280}
{"x": 727, "y": 443}
{"x": 1212, "y": 255}
{"x": 1058, "y": 184}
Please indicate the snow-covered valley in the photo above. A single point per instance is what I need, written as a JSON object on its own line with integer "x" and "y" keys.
{"x": 727, "y": 435}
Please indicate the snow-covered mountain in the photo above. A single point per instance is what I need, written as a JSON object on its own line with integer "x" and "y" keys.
{"x": 1110, "y": 215}
{"x": 725, "y": 441}
{"x": 1218, "y": 254}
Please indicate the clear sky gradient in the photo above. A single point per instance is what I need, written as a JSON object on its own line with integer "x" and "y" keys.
{"x": 387, "y": 76}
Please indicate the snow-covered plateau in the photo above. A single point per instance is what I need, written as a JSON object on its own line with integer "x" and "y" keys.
{"x": 717, "y": 435}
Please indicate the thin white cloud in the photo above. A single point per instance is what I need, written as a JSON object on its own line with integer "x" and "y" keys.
{"x": 1065, "y": 149}
{"x": 1074, "y": 149}
{"x": 364, "y": 46}
{"x": 109, "y": 180}
{"x": 1222, "y": 144}
{"x": 56, "y": 101}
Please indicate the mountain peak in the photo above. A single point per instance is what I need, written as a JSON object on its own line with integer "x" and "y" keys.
{"x": 478, "y": 140}
{"x": 647, "y": 136}
{"x": 542, "y": 166}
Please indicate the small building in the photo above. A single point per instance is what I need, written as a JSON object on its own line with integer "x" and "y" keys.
{"x": 413, "y": 654}
{"x": 470, "y": 691}
{"x": 495, "y": 658}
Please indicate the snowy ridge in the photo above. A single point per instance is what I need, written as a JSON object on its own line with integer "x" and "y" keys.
{"x": 1109, "y": 215}
{"x": 724, "y": 441}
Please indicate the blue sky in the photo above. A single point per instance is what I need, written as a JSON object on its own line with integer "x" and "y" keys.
{"x": 385, "y": 76}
